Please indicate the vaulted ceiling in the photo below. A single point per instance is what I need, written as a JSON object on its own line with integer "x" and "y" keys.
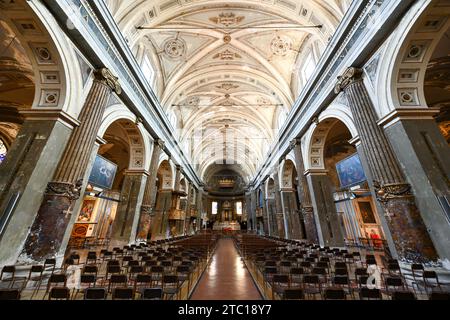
{"x": 227, "y": 72}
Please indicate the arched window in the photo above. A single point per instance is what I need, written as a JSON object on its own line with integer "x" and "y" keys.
{"x": 147, "y": 69}
{"x": 282, "y": 116}
{"x": 3, "y": 150}
{"x": 308, "y": 67}
{"x": 214, "y": 208}
{"x": 172, "y": 119}
{"x": 239, "y": 208}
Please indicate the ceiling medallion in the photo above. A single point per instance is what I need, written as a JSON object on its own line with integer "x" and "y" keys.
{"x": 174, "y": 47}
{"x": 280, "y": 45}
{"x": 227, "y": 38}
{"x": 227, "y": 19}
{"x": 227, "y": 55}
{"x": 227, "y": 86}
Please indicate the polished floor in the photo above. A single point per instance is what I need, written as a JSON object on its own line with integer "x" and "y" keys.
{"x": 226, "y": 278}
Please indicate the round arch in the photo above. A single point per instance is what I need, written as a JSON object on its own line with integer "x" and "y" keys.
{"x": 138, "y": 145}
{"x": 403, "y": 64}
{"x": 57, "y": 78}
{"x": 286, "y": 174}
{"x": 316, "y": 136}
{"x": 270, "y": 188}
{"x": 166, "y": 175}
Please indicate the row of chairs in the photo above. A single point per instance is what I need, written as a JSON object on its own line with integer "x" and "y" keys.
{"x": 64, "y": 293}
{"x": 318, "y": 272}
{"x": 164, "y": 265}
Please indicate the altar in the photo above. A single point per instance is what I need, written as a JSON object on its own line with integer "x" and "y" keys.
{"x": 227, "y": 226}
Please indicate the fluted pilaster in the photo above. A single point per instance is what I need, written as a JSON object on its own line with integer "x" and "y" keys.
{"x": 278, "y": 207}
{"x": 50, "y": 224}
{"x": 148, "y": 202}
{"x": 306, "y": 207}
{"x": 406, "y": 225}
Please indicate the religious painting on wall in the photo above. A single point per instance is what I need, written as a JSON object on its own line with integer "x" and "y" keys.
{"x": 350, "y": 171}
{"x": 103, "y": 173}
{"x": 87, "y": 210}
{"x": 367, "y": 215}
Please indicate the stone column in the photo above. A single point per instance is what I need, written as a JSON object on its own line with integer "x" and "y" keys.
{"x": 272, "y": 224}
{"x": 424, "y": 156}
{"x": 265, "y": 213}
{"x": 128, "y": 211}
{"x": 304, "y": 196}
{"x": 162, "y": 210}
{"x": 148, "y": 201}
{"x": 200, "y": 210}
{"x": 24, "y": 174}
{"x": 177, "y": 177}
{"x": 252, "y": 215}
{"x": 279, "y": 216}
{"x": 290, "y": 210}
{"x": 49, "y": 227}
{"x": 328, "y": 226}
{"x": 248, "y": 207}
{"x": 187, "y": 215}
{"x": 410, "y": 236}
{"x": 174, "y": 224}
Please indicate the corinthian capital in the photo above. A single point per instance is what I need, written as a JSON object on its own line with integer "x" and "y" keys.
{"x": 105, "y": 76}
{"x": 295, "y": 142}
{"x": 65, "y": 189}
{"x": 349, "y": 76}
{"x": 159, "y": 143}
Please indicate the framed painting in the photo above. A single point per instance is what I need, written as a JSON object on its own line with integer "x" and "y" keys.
{"x": 87, "y": 209}
{"x": 103, "y": 173}
{"x": 350, "y": 171}
{"x": 367, "y": 215}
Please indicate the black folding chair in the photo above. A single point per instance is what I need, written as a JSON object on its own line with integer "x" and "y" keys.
{"x": 9, "y": 294}
{"x": 95, "y": 294}
{"x": 152, "y": 294}
{"x": 59, "y": 293}
{"x": 122, "y": 294}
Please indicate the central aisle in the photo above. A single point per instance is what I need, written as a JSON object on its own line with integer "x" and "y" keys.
{"x": 226, "y": 278}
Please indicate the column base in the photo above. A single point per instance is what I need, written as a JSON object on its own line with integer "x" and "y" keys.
{"x": 408, "y": 231}
{"x": 310, "y": 225}
{"x": 144, "y": 223}
{"x": 48, "y": 229}
{"x": 280, "y": 225}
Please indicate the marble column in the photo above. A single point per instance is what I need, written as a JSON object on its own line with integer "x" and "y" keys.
{"x": 174, "y": 218}
{"x": 177, "y": 177}
{"x": 408, "y": 230}
{"x": 187, "y": 214}
{"x": 254, "y": 223}
{"x": 328, "y": 224}
{"x": 304, "y": 196}
{"x": 49, "y": 227}
{"x": 265, "y": 214}
{"x": 200, "y": 208}
{"x": 128, "y": 211}
{"x": 290, "y": 210}
{"x": 162, "y": 210}
{"x": 279, "y": 216}
{"x": 24, "y": 174}
{"x": 424, "y": 156}
{"x": 148, "y": 202}
{"x": 272, "y": 223}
